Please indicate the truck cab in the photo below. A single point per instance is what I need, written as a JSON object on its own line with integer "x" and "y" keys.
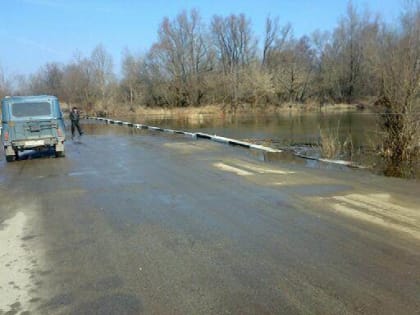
{"x": 32, "y": 123}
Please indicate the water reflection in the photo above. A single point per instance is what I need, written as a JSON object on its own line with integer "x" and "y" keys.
{"x": 293, "y": 129}
{"x": 290, "y": 128}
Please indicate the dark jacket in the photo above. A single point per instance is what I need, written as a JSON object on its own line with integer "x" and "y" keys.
{"x": 74, "y": 116}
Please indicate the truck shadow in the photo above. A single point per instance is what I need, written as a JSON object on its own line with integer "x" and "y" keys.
{"x": 35, "y": 154}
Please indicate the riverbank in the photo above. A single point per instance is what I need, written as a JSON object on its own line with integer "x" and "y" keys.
{"x": 243, "y": 109}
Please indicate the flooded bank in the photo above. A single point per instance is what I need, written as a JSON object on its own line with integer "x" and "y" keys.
{"x": 287, "y": 128}
{"x": 260, "y": 152}
{"x": 355, "y": 135}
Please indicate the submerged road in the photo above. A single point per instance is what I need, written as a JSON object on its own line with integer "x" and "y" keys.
{"x": 132, "y": 222}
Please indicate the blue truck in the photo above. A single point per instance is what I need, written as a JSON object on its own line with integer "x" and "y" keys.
{"x": 32, "y": 123}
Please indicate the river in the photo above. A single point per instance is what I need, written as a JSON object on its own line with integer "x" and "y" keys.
{"x": 357, "y": 132}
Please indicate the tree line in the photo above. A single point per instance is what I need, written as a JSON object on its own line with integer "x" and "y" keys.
{"x": 363, "y": 59}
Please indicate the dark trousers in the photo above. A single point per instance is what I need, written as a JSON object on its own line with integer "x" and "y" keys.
{"x": 75, "y": 124}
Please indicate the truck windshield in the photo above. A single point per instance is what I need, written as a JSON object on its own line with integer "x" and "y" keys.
{"x": 31, "y": 109}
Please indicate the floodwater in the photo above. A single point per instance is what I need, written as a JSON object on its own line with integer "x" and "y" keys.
{"x": 281, "y": 129}
{"x": 358, "y": 132}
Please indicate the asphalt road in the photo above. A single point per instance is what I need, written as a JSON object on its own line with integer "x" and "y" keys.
{"x": 132, "y": 222}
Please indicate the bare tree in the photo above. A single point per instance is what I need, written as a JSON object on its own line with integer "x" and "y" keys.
{"x": 398, "y": 68}
{"x": 236, "y": 49}
{"x": 21, "y": 85}
{"x": 256, "y": 86}
{"x": 236, "y": 46}
{"x": 183, "y": 57}
{"x": 5, "y": 86}
{"x": 47, "y": 80}
{"x": 292, "y": 69}
{"x": 79, "y": 83}
{"x": 131, "y": 84}
{"x": 322, "y": 85}
{"x": 102, "y": 70}
{"x": 347, "y": 54}
{"x": 274, "y": 39}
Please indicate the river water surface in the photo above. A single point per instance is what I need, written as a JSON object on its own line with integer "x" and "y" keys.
{"x": 358, "y": 132}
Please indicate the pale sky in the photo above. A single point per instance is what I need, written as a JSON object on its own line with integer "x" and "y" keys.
{"x": 34, "y": 32}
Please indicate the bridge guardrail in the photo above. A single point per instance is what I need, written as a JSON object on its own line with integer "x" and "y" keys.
{"x": 195, "y": 135}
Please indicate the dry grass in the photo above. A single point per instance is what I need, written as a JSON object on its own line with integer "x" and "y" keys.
{"x": 330, "y": 144}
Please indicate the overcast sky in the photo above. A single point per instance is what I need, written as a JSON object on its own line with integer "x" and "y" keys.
{"x": 34, "y": 32}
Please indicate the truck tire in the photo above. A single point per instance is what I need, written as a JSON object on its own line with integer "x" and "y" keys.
{"x": 60, "y": 154}
{"x": 10, "y": 158}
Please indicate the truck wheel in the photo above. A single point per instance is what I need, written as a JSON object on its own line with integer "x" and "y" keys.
{"x": 59, "y": 154}
{"x": 9, "y": 158}
{"x": 59, "y": 150}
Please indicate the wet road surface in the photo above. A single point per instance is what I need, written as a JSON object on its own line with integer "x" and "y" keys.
{"x": 132, "y": 222}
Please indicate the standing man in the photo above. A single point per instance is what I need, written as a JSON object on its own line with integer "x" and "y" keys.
{"x": 74, "y": 117}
